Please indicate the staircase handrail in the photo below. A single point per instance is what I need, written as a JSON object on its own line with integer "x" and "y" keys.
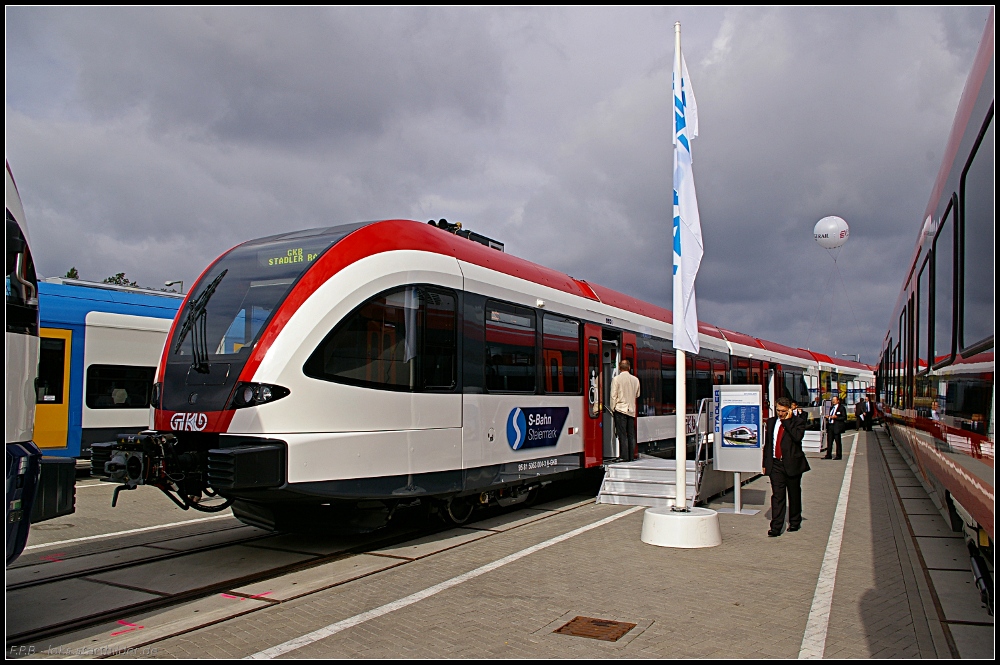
{"x": 701, "y": 438}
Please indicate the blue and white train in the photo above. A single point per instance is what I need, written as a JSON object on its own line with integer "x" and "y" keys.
{"x": 100, "y": 345}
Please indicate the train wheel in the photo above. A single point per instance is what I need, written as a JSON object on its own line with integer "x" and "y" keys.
{"x": 458, "y": 511}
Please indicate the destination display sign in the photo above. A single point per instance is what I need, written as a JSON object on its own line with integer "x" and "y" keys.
{"x": 291, "y": 255}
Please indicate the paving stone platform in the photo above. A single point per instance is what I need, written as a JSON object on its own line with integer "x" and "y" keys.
{"x": 902, "y": 587}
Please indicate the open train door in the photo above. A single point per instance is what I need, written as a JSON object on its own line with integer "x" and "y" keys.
{"x": 593, "y": 428}
{"x": 628, "y": 353}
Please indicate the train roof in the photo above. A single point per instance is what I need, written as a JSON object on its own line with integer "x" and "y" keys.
{"x": 69, "y": 301}
{"x": 357, "y": 241}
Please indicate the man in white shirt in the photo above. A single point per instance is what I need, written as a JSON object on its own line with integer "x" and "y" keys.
{"x": 624, "y": 393}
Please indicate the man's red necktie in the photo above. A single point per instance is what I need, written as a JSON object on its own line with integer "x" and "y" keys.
{"x": 777, "y": 442}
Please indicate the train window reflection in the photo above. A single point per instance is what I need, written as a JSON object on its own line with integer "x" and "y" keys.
{"x": 561, "y": 353}
{"x": 944, "y": 264}
{"x": 921, "y": 342}
{"x": 978, "y": 240}
{"x": 510, "y": 348}
{"x": 403, "y": 339}
{"x": 119, "y": 386}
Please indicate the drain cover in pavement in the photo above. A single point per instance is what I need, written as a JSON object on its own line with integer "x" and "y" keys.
{"x": 596, "y": 629}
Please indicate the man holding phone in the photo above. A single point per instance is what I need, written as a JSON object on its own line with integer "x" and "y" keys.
{"x": 784, "y": 463}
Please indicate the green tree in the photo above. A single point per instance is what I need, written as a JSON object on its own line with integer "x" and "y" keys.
{"x": 119, "y": 280}
{"x": 72, "y": 273}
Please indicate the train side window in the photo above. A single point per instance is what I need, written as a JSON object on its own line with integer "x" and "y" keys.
{"x": 720, "y": 369}
{"x": 51, "y": 371}
{"x": 403, "y": 339}
{"x": 922, "y": 342}
{"x": 668, "y": 379}
{"x": 510, "y": 348}
{"x": 944, "y": 289}
{"x": 978, "y": 225}
{"x": 648, "y": 372}
{"x": 119, "y": 386}
{"x": 741, "y": 371}
{"x": 702, "y": 381}
{"x": 561, "y": 354}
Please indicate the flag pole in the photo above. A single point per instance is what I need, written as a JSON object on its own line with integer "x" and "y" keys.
{"x": 681, "y": 525}
{"x": 680, "y": 417}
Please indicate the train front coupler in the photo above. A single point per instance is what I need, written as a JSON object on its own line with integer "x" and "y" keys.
{"x": 157, "y": 459}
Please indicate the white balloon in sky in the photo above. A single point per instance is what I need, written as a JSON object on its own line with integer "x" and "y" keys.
{"x": 831, "y": 232}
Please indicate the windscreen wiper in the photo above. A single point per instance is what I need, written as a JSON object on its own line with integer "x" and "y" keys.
{"x": 195, "y": 322}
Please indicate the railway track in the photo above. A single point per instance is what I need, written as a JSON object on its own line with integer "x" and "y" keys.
{"x": 70, "y": 591}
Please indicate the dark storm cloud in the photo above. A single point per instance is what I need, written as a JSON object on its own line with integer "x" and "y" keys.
{"x": 277, "y": 75}
{"x": 151, "y": 140}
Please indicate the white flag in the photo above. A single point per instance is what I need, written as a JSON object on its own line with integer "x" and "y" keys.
{"x": 688, "y": 247}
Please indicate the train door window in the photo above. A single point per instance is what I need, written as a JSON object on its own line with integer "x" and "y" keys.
{"x": 668, "y": 379}
{"x": 630, "y": 356}
{"x": 922, "y": 338}
{"x": 510, "y": 348}
{"x": 596, "y": 389}
{"x": 944, "y": 286}
{"x": 978, "y": 225}
{"x": 561, "y": 354}
{"x": 119, "y": 386}
{"x": 404, "y": 339}
{"x": 51, "y": 371}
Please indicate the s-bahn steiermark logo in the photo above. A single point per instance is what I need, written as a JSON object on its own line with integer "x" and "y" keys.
{"x": 188, "y": 422}
{"x": 535, "y": 427}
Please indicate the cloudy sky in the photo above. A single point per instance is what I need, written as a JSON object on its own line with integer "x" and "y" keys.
{"x": 149, "y": 141}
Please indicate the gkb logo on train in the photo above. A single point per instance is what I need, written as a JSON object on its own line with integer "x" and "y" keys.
{"x": 535, "y": 428}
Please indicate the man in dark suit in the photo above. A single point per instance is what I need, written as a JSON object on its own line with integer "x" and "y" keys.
{"x": 800, "y": 414}
{"x": 836, "y": 423}
{"x": 861, "y": 413}
{"x": 784, "y": 463}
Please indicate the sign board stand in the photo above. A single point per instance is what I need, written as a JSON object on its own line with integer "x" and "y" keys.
{"x": 738, "y": 428}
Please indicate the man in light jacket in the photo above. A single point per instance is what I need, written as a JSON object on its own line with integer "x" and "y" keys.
{"x": 624, "y": 393}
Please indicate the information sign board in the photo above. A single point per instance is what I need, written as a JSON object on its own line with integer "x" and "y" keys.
{"x": 738, "y": 428}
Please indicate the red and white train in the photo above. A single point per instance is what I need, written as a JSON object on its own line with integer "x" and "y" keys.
{"x": 935, "y": 378}
{"x": 352, "y": 370}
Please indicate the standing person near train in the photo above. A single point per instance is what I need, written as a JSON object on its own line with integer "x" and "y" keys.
{"x": 784, "y": 463}
{"x": 800, "y": 413}
{"x": 861, "y": 413}
{"x": 624, "y": 393}
{"x": 836, "y": 421}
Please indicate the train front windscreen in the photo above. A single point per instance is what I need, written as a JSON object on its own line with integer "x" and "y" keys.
{"x": 227, "y": 310}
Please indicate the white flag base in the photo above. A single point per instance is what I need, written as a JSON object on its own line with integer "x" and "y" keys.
{"x": 698, "y": 527}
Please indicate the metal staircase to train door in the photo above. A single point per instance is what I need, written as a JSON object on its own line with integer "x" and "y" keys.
{"x": 651, "y": 481}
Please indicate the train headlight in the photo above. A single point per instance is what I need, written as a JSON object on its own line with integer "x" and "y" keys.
{"x": 255, "y": 394}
